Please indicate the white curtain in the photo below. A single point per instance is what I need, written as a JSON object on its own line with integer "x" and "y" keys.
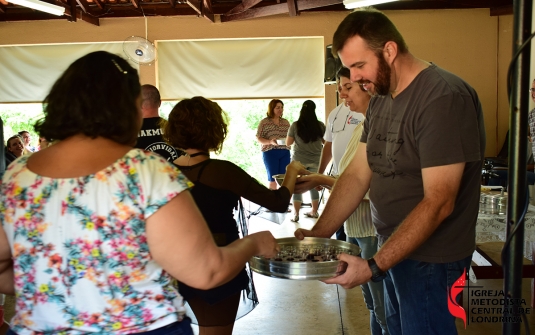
{"x": 241, "y": 68}
{"x": 28, "y": 72}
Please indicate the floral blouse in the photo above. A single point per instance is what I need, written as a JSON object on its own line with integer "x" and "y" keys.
{"x": 81, "y": 260}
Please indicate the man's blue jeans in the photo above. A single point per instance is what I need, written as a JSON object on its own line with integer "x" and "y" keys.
{"x": 373, "y": 292}
{"x": 416, "y": 297}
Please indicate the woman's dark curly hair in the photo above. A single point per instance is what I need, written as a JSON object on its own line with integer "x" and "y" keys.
{"x": 95, "y": 96}
{"x": 308, "y": 127}
{"x": 271, "y": 107}
{"x": 196, "y": 123}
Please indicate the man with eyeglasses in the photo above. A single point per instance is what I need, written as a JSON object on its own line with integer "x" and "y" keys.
{"x": 340, "y": 125}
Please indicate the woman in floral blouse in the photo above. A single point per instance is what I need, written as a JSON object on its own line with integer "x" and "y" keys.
{"x": 95, "y": 235}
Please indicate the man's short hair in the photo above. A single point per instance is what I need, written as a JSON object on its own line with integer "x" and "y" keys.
{"x": 371, "y": 25}
{"x": 150, "y": 95}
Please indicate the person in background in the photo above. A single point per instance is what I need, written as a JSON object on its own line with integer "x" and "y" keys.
{"x": 132, "y": 223}
{"x": 421, "y": 158}
{"x": 15, "y": 149}
{"x": 358, "y": 226}
{"x": 43, "y": 143}
{"x": 340, "y": 126}
{"x": 306, "y": 136}
{"x": 150, "y": 136}
{"x": 271, "y": 130}
{"x": 26, "y": 140}
{"x": 199, "y": 127}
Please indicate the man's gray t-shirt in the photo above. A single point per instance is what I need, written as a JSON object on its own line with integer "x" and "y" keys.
{"x": 306, "y": 153}
{"x": 437, "y": 120}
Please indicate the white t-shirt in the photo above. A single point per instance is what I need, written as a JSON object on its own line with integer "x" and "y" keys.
{"x": 340, "y": 126}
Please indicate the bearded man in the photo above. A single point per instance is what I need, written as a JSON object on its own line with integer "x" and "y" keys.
{"x": 421, "y": 157}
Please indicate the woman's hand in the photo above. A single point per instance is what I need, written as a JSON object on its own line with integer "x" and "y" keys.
{"x": 297, "y": 168}
{"x": 273, "y": 141}
{"x": 266, "y": 244}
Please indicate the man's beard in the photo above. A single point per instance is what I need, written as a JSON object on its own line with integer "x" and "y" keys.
{"x": 382, "y": 84}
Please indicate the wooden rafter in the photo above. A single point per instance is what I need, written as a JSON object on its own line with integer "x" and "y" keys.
{"x": 87, "y": 18}
{"x": 245, "y": 5}
{"x": 198, "y": 6}
{"x": 83, "y": 5}
{"x": 82, "y": 16}
{"x": 72, "y": 7}
{"x": 172, "y": 3}
{"x": 207, "y": 6}
{"x": 257, "y": 12}
{"x": 2, "y": 8}
{"x": 135, "y": 3}
{"x": 292, "y": 9}
{"x": 278, "y": 9}
{"x": 99, "y": 5}
{"x": 309, "y": 4}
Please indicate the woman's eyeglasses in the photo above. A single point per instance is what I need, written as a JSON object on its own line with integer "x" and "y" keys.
{"x": 532, "y": 90}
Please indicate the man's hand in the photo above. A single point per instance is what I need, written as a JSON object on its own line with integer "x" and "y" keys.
{"x": 357, "y": 273}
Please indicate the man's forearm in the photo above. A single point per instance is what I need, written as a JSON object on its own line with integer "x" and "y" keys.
{"x": 347, "y": 193}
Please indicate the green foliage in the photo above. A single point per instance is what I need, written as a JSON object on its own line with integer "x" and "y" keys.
{"x": 18, "y": 117}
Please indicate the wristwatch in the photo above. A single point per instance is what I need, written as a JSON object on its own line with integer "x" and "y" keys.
{"x": 377, "y": 274}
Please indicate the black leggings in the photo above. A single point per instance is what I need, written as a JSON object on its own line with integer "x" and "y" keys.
{"x": 221, "y": 313}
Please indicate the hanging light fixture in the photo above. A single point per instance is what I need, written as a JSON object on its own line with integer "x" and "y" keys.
{"x": 41, "y": 6}
{"x": 350, "y": 4}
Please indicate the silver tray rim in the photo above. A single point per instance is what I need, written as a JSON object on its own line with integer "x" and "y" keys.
{"x": 257, "y": 262}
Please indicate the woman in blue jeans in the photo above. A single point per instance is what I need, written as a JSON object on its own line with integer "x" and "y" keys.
{"x": 276, "y": 154}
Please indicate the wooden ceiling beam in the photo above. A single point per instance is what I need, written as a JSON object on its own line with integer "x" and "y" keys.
{"x": 503, "y": 10}
{"x": 172, "y": 3}
{"x": 99, "y": 5}
{"x": 135, "y": 3}
{"x": 292, "y": 9}
{"x": 83, "y": 5}
{"x": 88, "y": 18}
{"x": 2, "y": 8}
{"x": 310, "y": 4}
{"x": 245, "y": 5}
{"x": 207, "y": 6}
{"x": 198, "y": 6}
{"x": 281, "y": 8}
{"x": 72, "y": 7}
{"x": 278, "y": 9}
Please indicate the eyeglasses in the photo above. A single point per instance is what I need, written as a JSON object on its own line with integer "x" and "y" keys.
{"x": 532, "y": 90}
{"x": 334, "y": 121}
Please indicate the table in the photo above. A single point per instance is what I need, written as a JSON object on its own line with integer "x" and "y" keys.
{"x": 491, "y": 228}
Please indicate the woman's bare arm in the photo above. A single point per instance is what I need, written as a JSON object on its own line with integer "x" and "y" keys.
{"x": 180, "y": 241}
{"x": 6, "y": 266}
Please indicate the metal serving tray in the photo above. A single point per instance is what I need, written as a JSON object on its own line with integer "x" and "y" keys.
{"x": 310, "y": 259}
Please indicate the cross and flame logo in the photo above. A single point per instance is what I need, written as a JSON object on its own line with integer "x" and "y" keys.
{"x": 456, "y": 289}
